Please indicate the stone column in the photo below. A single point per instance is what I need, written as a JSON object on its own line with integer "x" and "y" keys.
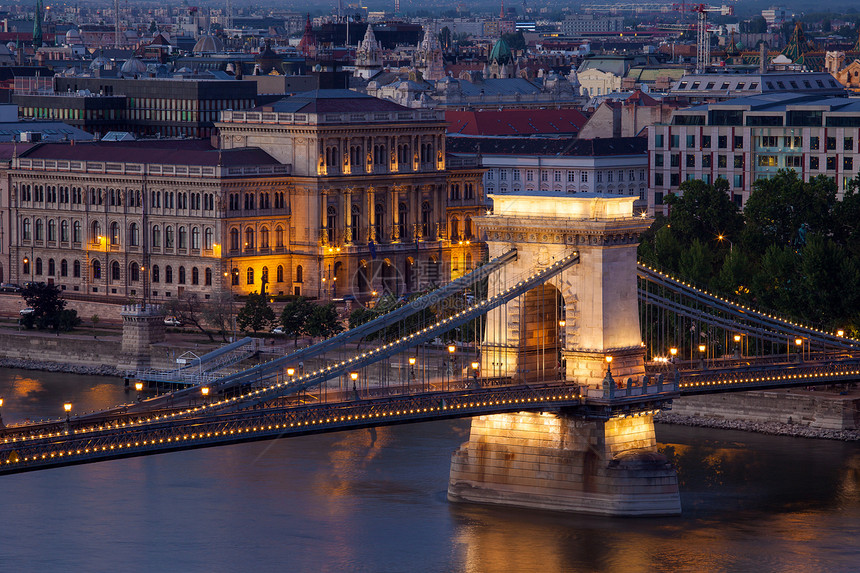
{"x": 561, "y": 463}
{"x": 142, "y": 325}
{"x": 371, "y": 214}
{"x": 323, "y": 229}
{"x": 395, "y": 214}
{"x": 347, "y": 216}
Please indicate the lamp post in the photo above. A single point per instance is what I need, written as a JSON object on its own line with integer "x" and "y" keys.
{"x": 722, "y": 238}
{"x": 702, "y": 350}
{"x": 475, "y": 367}
{"x": 354, "y": 377}
{"x": 412, "y": 361}
{"x": 798, "y": 342}
{"x": 139, "y": 387}
{"x": 68, "y": 408}
{"x": 737, "y": 339}
{"x": 451, "y": 350}
{"x": 2, "y": 425}
{"x": 674, "y": 352}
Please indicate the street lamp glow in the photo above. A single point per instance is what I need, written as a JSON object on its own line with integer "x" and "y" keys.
{"x": 67, "y": 407}
{"x": 138, "y": 386}
{"x": 737, "y": 337}
{"x": 609, "y": 359}
{"x": 562, "y": 323}
{"x": 475, "y": 365}
{"x": 205, "y": 390}
{"x": 291, "y": 372}
{"x": 452, "y": 349}
{"x": 798, "y": 341}
{"x": 1, "y": 402}
{"x": 838, "y": 333}
{"x": 353, "y": 376}
{"x": 673, "y": 351}
{"x": 411, "y": 363}
{"x": 702, "y": 348}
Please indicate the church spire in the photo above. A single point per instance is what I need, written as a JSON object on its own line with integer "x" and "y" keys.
{"x": 502, "y": 11}
{"x": 37, "y": 26}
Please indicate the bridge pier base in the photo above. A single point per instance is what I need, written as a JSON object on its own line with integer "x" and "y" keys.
{"x": 142, "y": 325}
{"x": 563, "y": 463}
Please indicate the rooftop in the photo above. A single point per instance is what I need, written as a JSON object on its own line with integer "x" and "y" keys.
{"x": 547, "y": 146}
{"x": 330, "y": 101}
{"x": 515, "y": 122}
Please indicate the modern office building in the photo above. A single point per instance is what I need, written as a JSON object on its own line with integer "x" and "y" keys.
{"x": 746, "y": 139}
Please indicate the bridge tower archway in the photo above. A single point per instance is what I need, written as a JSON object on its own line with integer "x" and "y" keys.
{"x": 540, "y": 342}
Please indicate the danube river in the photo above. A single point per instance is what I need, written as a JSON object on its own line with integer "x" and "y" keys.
{"x": 374, "y": 501}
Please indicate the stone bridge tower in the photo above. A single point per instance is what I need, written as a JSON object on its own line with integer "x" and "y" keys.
{"x": 567, "y": 327}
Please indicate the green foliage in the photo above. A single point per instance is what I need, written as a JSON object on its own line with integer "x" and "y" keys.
{"x": 696, "y": 263}
{"x": 47, "y": 307}
{"x": 295, "y": 316}
{"x": 256, "y": 315}
{"x": 323, "y": 321}
{"x": 515, "y": 40}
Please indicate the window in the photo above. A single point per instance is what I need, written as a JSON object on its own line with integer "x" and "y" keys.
{"x": 658, "y": 160}
{"x": 583, "y": 177}
{"x": 813, "y": 163}
{"x": 739, "y": 142}
{"x": 207, "y": 276}
{"x": 767, "y": 161}
{"x": 76, "y": 269}
{"x": 38, "y": 265}
{"x": 769, "y": 141}
{"x": 76, "y": 232}
{"x": 831, "y": 163}
{"x": 181, "y": 275}
{"x": 848, "y": 144}
{"x": 706, "y": 141}
{"x": 848, "y": 163}
{"x": 250, "y": 275}
{"x": 52, "y": 230}
{"x": 25, "y": 229}
{"x": 97, "y": 270}
{"x": 739, "y": 161}
{"x": 156, "y": 236}
{"x": 40, "y": 230}
{"x": 793, "y": 161}
{"x": 134, "y": 235}
{"x": 168, "y": 274}
{"x": 299, "y": 274}
{"x": 168, "y": 236}
{"x": 234, "y": 277}
{"x": 134, "y": 271}
{"x": 739, "y": 181}
{"x": 249, "y": 238}
{"x": 183, "y": 237}
{"x": 830, "y": 143}
{"x": 195, "y": 237}
{"x": 600, "y": 176}
{"x": 571, "y": 175}
{"x": 658, "y": 140}
{"x": 207, "y": 238}
{"x": 674, "y": 141}
{"x": 691, "y": 160}
{"x": 658, "y": 179}
{"x": 814, "y": 143}
{"x": 674, "y": 179}
{"x": 706, "y": 161}
{"x": 64, "y": 268}
{"x": 722, "y": 141}
{"x": 114, "y": 271}
{"x": 691, "y": 141}
{"x": 279, "y": 274}
{"x": 675, "y": 160}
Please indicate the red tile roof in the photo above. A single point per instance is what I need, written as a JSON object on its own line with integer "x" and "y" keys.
{"x": 516, "y": 122}
{"x": 167, "y": 152}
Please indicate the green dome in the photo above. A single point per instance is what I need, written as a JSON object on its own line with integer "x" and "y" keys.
{"x": 500, "y": 53}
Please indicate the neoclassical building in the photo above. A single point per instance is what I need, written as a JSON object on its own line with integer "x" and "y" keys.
{"x": 375, "y": 204}
{"x": 325, "y": 194}
{"x": 145, "y": 218}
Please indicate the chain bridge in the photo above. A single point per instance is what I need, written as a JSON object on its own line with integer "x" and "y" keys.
{"x": 560, "y": 348}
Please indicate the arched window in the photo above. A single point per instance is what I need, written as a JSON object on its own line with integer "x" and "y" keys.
{"x": 355, "y": 221}
{"x": 264, "y": 238}
{"x": 114, "y": 233}
{"x": 25, "y": 229}
{"x": 76, "y": 269}
{"x": 264, "y": 275}
{"x": 207, "y": 238}
{"x": 280, "y": 273}
{"x": 97, "y": 270}
{"x": 64, "y": 231}
{"x": 279, "y": 237}
{"x": 467, "y": 231}
{"x": 64, "y": 268}
{"x": 208, "y": 277}
{"x": 182, "y": 275}
{"x": 76, "y": 232}
{"x": 183, "y": 238}
{"x": 249, "y": 239}
{"x": 195, "y": 237}
{"x": 402, "y": 213}
{"x": 40, "y": 230}
{"x": 134, "y": 271}
{"x": 25, "y": 267}
{"x": 234, "y": 277}
{"x": 114, "y": 271}
{"x": 234, "y": 239}
{"x": 134, "y": 235}
{"x": 156, "y": 236}
{"x": 38, "y": 265}
{"x": 331, "y": 223}
{"x": 379, "y": 222}
{"x": 168, "y": 274}
{"x": 156, "y": 274}
{"x": 299, "y": 274}
{"x": 250, "y": 277}
{"x": 52, "y": 230}
{"x": 168, "y": 236}
{"x": 52, "y": 268}
{"x": 425, "y": 219}
{"x": 455, "y": 229}
{"x": 195, "y": 276}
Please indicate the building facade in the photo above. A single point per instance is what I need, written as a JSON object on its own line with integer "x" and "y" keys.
{"x": 376, "y": 204}
{"x": 746, "y": 139}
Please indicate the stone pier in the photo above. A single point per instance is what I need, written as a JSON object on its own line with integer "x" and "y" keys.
{"x": 572, "y": 326}
{"x": 560, "y": 463}
{"x": 142, "y": 326}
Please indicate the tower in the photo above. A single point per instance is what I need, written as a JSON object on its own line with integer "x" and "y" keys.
{"x": 116, "y": 41}
{"x": 37, "y": 25}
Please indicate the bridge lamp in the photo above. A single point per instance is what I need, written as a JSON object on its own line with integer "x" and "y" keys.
{"x": 452, "y": 349}
{"x": 798, "y": 341}
{"x": 562, "y": 323}
{"x": 475, "y": 366}
{"x": 291, "y": 372}
{"x": 68, "y": 408}
{"x": 609, "y": 364}
{"x": 138, "y": 386}
{"x": 205, "y": 391}
{"x": 673, "y": 351}
{"x": 411, "y": 363}
{"x": 353, "y": 376}
{"x": 737, "y": 337}
{"x": 838, "y": 333}
{"x": 702, "y": 348}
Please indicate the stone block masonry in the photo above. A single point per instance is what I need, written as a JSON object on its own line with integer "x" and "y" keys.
{"x": 554, "y": 462}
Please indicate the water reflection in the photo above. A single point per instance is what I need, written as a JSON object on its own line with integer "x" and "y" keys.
{"x": 374, "y": 500}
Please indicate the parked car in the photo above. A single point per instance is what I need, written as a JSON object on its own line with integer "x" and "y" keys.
{"x": 9, "y": 287}
{"x": 172, "y": 321}
{"x": 26, "y": 311}
{"x": 278, "y": 330}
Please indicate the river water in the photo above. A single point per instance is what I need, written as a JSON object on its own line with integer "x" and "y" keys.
{"x": 374, "y": 501}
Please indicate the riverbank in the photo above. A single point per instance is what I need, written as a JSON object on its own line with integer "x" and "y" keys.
{"x": 45, "y": 366}
{"x": 770, "y": 428}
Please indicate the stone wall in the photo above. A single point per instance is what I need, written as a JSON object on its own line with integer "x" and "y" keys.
{"x": 63, "y": 349}
{"x": 553, "y": 462}
{"x": 11, "y": 303}
{"x": 823, "y": 410}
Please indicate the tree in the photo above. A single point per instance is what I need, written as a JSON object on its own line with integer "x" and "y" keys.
{"x": 323, "y": 321}
{"x": 515, "y": 41}
{"x": 295, "y": 316}
{"x": 188, "y": 308}
{"x": 218, "y": 312}
{"x": 256, "y": 314}
{"x": 445, "y": 39}
{"x": 696, "y": 263}
{"x": 703, "y": 212}
{"x": 47, "y": 307}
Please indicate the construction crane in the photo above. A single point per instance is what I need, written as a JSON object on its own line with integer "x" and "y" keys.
{"x": 703, "y": 39}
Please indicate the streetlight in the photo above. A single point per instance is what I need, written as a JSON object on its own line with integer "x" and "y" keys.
{"x": 205, "y": 391}
{"x": 722, "y": 238}
{"x": 674, "y": 352}
{"x": 702, "y": 350}
{"x": 737, "y": 339}
{"x": 451, "y": 350}
{"x": 2, "y": 425}
{"x": 798, "y": 342}
{"x": 139, "y": 387}
{"x": 291, "y": 372}
{"x": 475, "y": 367}
{"x": 412, "y": 361}
{"x": 354, "y": 377}
{"x": 839, "y": 332}
{"x": 609, "y": 364}
{"x": 68, "y": 408}
{"x": 562, "y": 323}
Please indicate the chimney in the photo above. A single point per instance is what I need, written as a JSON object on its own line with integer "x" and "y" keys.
{"x": 762, "y": 55}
